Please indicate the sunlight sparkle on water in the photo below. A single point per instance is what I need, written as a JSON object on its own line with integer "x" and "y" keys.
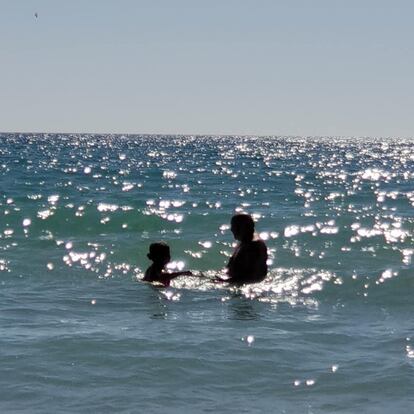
{"x": 44, "y": 214}
{"x": 169, "y": 175}
{"x": 171, "y": 295}
{"x": 249, "y": 339}
{"x": 107, "y": 207}
{"x": 176, "y": 265}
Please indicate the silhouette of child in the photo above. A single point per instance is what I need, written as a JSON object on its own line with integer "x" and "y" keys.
{"x": 160, "y": 255}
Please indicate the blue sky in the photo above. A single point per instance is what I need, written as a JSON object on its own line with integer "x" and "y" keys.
{"x": 263, "y": 67}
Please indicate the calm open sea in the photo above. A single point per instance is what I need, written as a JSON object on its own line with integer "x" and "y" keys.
{"x": 331, "y": 329}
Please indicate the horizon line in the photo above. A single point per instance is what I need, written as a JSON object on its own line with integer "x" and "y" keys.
{"x": 205, "y": 135}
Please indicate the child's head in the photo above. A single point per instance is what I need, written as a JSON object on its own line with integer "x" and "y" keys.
{"x": 159, "y": 253}
{"x": 242, "y": 226}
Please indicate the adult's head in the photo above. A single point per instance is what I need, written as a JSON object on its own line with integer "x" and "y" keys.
{"x": 159, "y": 252}
{"x": 242, "y": 227}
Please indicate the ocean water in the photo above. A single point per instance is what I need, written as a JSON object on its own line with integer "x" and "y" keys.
{"x": 329, "y": 330}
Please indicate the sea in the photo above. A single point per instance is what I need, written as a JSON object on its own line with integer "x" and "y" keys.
{"x": 330, "y": 329}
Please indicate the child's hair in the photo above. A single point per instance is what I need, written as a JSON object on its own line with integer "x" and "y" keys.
{"x": 158, "y": 249}
{"x": 243, "y": 220}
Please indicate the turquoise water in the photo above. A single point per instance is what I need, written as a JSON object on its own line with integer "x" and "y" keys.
{"x": 329, "y": 330}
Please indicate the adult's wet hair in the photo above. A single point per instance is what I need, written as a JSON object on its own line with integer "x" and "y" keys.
{"x": 158, "y": 249}
{"x": 245, "y": 221}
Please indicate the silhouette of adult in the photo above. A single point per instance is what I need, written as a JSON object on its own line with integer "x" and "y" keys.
{"x": 248, "y": 262}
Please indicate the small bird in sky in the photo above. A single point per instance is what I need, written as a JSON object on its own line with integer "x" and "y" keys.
{"x": 36, "y": 15}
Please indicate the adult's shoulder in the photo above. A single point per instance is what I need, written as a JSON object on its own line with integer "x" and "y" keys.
{"x": 257, "y": 247}
{"x": 257, "y": 242}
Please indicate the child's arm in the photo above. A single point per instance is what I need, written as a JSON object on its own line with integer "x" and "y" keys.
{"x": 173, "y": 275}
{"x": 165, "y": 278}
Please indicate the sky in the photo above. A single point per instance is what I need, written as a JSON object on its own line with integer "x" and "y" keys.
{"x": 251, "y": 67}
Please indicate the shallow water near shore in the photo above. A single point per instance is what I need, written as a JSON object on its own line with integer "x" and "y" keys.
{"x": 329, "y": 330}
